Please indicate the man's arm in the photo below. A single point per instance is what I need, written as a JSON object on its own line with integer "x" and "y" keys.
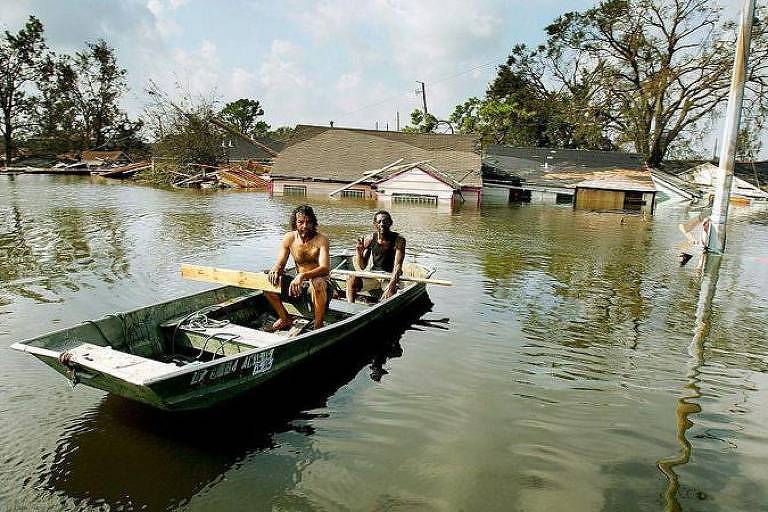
{"x": 362, "y": 252}
{"x": 397, "y": 270}
{"x": 282, "y": 258}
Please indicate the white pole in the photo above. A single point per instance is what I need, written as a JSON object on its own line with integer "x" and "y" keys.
{"x": 716, "y": 232}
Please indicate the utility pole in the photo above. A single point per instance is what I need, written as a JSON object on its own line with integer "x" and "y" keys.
{"x": 719, "y": 218}
{"x": 423, "y": 96}
{"x": 398, "y": 120}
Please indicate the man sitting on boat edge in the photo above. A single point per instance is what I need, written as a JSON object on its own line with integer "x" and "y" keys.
{"x": 387, "y": 250}
{"x": 310, "y": 251}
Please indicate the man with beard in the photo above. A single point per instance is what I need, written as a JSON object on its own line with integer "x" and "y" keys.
{"x": 309, "y": 249}
{"x": 387, "y": 250}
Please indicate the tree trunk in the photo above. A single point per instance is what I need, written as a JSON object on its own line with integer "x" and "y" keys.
{"x": 8, "y": 140}
{"x": 655, "y": 155}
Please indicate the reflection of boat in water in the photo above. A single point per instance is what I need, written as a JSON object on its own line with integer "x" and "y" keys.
{"x": 192, "y": 352}
{"x": 126, "y": 456}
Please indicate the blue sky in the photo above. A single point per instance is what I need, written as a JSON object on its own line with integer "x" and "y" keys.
{"x": 354, "y": 62}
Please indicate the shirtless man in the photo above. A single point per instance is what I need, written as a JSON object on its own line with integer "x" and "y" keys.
{"x": 309, "y": 249}
{"x": 386, "y": 248}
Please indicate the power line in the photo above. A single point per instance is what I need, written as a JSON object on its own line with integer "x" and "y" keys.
{"x": 431, "y": 82}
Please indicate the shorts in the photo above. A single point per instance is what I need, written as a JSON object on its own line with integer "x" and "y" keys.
{"x": 305, "y": 297}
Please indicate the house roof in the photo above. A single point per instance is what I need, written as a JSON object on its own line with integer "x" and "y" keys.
{"x": 755, "y": 173}
{"x": 344, "y": 154}
{"x": 106, "y": 156}
{"x": 704, "y": 176}
{"x": 564, "y": 167}
{"x": 439, "y": 176}
{"x": 244, "y": 149}
{"x": 636, "y": 180}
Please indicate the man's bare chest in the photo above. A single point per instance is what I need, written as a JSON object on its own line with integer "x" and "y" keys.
{"x": 305, "y": 252}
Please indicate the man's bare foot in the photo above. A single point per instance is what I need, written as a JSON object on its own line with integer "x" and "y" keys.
{"x": 281, "y": 324}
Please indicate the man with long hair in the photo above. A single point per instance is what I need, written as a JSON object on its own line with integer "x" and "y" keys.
{"x": 310, "y": 251}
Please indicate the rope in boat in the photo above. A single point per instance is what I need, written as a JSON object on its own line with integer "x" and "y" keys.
{"x": 199, "y": 321}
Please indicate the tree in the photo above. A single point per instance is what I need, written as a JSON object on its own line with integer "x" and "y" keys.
{"x": 23, "y": 58}
{"x": 184, "y": 130}
{"x": 651, "y": 71}
{"x": 243, "y": 115}
{"x": 519, "y": 110}
{"x": 95, "y": 89}
{"x": 281, "y": 133}
{"x": 748, "y": 143}
{"x": 421, "y": 123}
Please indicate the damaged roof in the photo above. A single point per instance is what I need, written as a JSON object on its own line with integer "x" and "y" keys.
{"x": 564, "y": 167}
{"x": 344, "y": 154}
{"x": 636, "y": 180}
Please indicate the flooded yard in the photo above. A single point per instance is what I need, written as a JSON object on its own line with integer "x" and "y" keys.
{"x": 572, "y": 364}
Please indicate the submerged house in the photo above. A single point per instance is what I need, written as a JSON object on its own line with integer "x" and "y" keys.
{"x": 96, "y": 158}
{"x": 391, "y": 166}
{"x": 704, "y": 177}
{"x": 587, "y": 179}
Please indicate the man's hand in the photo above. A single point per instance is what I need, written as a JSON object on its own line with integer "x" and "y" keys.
{"x": 360, "y": 247}
{"x": 274, "y": 276}
{"x": 294, "y": 290}
{"x": 391, "y": 289}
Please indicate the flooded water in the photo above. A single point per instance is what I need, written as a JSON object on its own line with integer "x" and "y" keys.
{"x": 573, "y": 364}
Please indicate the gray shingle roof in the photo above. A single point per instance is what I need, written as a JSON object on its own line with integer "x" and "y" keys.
{"x": 564, "y": 166}
{"x": 343, "y": 154}
{"x": 243, "y": 150}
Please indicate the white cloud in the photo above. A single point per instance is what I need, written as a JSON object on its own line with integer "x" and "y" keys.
{"x": 241, "y": 83}
{"x": 283, "y": 85}
{"x": 348, "y": 81}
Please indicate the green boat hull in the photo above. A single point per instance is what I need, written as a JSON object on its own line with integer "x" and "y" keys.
{"x": 137, "y": 355}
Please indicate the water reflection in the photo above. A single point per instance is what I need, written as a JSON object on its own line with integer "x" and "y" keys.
{"x": 41, "y": 251}
{"x": 128, "y": 456}
{"x": 689, "y": 405}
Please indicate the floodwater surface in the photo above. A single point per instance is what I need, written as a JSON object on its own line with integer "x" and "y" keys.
{"x": 573, "y": 365}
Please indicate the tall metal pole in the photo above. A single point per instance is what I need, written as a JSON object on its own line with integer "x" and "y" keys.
{"x": 423, "y": 97}
{"x": 716, "y": 231}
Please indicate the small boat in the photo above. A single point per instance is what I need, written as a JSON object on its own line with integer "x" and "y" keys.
{"x": 198, "y": 350}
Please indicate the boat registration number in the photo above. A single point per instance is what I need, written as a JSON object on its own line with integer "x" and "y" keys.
{"x": 253, "y": 363}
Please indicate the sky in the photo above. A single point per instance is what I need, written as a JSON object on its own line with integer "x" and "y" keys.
{"x": 354, "y": 62}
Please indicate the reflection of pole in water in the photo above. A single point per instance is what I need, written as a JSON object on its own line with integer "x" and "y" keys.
{"x": 687, "y": 405}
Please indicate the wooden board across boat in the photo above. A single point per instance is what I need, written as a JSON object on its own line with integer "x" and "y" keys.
{"x": 195, "y": 351}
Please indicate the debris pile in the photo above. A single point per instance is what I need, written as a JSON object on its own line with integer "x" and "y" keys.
{"x": 251, "y": 175}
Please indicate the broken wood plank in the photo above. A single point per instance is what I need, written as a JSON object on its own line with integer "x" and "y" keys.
{"x": 241, "y": 278}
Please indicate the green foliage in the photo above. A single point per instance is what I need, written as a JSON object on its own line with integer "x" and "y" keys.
{"x": 421, "y": 123}
{"x": 23, "y": 60}
{"x": 184, "y": 130}
{"x": 62, "y": 102}
{"x": 518, "y": 110}
{"x": 281, "y": 133}
{"x": 748, "y": 143}
{"x": 83, "y": 99}
{"x": 243, "y": 115}
{"x": 647, "y": 73}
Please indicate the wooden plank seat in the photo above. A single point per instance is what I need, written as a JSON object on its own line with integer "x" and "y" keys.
{"x": 228, "y": 339}
{"x": 126, "y": 366}
{"x": 343, "y": 306}
{"x": 233, "y": 333}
